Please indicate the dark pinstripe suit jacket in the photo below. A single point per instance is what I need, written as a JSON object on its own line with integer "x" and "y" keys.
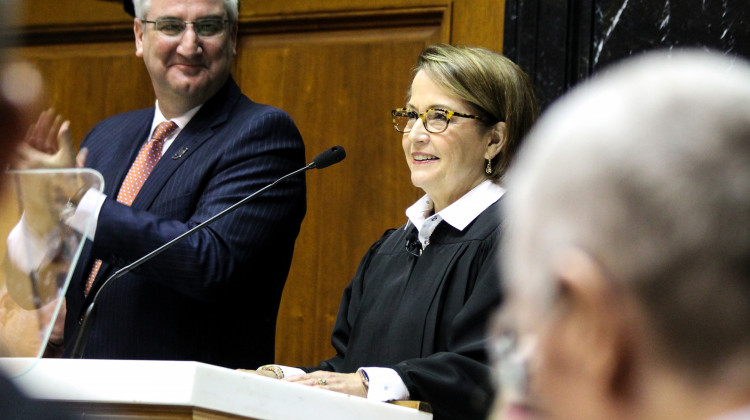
{"x": 214, "y": 297}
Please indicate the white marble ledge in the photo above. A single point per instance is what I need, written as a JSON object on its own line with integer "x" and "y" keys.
{"x": 194, "y": 384}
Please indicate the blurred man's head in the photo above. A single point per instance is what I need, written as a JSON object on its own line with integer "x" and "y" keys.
{"x": 628, "y": 250}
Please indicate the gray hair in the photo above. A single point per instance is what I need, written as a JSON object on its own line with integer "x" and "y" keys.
{"x": 142, "y": 6}
{"x": 647, "y": 168}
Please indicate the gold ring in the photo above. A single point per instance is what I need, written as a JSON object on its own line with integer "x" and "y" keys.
{"x": 322, "y": 381}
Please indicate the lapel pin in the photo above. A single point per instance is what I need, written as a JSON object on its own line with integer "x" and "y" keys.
{"x": 179, "y": 153}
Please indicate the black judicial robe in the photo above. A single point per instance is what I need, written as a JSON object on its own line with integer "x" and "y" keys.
{"x": 426, "y": 316}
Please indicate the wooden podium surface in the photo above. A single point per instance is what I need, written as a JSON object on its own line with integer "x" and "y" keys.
{"x": 128, "y": 389}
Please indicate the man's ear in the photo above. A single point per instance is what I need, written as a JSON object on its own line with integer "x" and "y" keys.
{"x": 496, "y": 141}
{"x": 234, "y": 32}
{"x": 138, "y": 30}
{"x": 595, "y": 321}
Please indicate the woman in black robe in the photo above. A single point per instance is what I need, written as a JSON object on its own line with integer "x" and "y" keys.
{"x": 412, "y": 322}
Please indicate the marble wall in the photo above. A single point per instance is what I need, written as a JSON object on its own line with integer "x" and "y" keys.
{"x": 561, "y": 42}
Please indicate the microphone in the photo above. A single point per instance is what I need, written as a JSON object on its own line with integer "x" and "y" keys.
{"x": 329, "y": 157}
{"x": 325, "y": 159}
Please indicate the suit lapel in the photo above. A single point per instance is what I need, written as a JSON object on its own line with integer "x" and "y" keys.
{"x": 199, "y": 130}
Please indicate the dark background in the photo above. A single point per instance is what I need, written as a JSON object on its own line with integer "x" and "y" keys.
{"x": 561, "y": 42}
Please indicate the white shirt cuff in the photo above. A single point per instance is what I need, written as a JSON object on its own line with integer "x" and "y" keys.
{"x": 87, "y": 213}
{"x": 26, "y": 249}
{"x": 385, "y": 385}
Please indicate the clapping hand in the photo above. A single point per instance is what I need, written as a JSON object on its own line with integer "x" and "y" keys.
{"x": 48, "y": 145}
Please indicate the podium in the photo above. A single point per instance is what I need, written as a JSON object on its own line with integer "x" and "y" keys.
{"x": 135, "y": 389}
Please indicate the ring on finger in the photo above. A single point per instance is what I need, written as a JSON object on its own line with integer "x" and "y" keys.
{"x": 322, "y": 381}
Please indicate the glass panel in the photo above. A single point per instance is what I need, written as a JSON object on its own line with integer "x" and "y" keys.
{"x": 39, "y": 254}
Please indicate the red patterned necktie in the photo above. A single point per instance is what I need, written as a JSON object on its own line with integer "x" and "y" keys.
{"x": 141, "y": 169}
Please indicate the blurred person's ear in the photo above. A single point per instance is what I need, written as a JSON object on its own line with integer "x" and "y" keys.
{"x": 589, "y": 340}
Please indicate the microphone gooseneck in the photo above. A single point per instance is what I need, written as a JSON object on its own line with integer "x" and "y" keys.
{"x": 327, "y": 158}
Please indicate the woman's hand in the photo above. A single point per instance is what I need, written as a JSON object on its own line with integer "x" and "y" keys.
{"x": 346, "y": 383}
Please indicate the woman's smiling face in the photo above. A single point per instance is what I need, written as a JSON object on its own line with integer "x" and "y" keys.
{"x": 445, "y": 165}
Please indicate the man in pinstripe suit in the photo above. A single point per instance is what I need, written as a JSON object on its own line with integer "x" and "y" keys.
{"x": 213, "y": 297}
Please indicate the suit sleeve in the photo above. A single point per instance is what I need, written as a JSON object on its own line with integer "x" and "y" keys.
{"x": 248, "y": 156}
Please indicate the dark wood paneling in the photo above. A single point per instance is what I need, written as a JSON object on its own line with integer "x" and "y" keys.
{"x": 89, "y": 82}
